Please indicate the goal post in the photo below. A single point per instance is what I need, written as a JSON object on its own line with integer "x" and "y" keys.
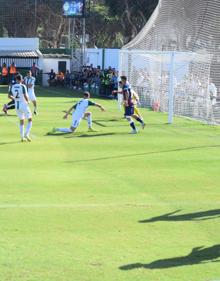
{"x": 171, "y": 89}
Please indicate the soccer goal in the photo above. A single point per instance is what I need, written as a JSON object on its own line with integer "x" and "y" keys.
{"x": 174, "y": 61}
{"x": 173, "y": 82}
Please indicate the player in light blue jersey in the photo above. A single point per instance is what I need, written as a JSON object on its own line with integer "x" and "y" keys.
{"x": 79, "y": 113}
{"x": 18, "y": 93}
{"x": 29, "y": 82}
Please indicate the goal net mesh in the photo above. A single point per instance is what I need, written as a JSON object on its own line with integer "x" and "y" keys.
{"x": 191, "y": 31}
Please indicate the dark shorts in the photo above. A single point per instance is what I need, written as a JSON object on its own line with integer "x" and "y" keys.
{"x": 129, "y": 110}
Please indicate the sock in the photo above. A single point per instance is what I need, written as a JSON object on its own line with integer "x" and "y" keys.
{"x": 28, "y": 128}
{"x": 139, "y": 120}
{"x": 22, "y": 131}
{"x": 64, "y": 130}
{"x": 11, "y": 105}
{"x": 132, "y": 125}
{"x": 89, "y": 120}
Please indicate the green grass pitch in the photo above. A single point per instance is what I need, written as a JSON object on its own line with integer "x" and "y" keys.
{"x": 108, "y": 206}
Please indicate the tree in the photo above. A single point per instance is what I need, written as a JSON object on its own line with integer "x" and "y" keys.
{"x": 51, "y": 24}
{"x": 133, "y": 14}
{"x": 111, "y": 23}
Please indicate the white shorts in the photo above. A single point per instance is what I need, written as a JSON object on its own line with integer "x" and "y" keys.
{"x": 31, "y": 95}
{"x": 76, "y": 119}
{"x": 24, "y": 112}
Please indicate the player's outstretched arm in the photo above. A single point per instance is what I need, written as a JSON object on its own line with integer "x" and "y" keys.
{"x": 114, "y": 92}
{"x": 68, "y": 112}
{"x": 99, "y": 106}
{"x": 11, "y": 97}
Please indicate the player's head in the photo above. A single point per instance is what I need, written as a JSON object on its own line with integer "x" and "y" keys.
{"x": 18, "y": 78}
{"x": 86, "y": 95}
{"x": 29, "y": 73}
{"x": 123, "y": 79}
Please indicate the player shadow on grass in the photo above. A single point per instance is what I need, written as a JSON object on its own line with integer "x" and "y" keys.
{"x": 80, "y": 134}
{"x": 91, "y": 135}
{"x": 109, "y": 120}
{"x": 144, "y": 153}
{"x": 198, "y": 216}
{"x": 7, "y": 115}
{"x": 10, "y": 142}
{"x": 198, "y": 255}
{"x": 98, "y": 123}
{"x": 57, "y": 134}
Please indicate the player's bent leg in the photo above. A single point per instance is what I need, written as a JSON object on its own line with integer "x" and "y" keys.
{"x": 11, "y": 105}
{"x": 131, "y": 122}
{"x": 137, "y": 112}
{"x": 139, "y": 120}
{"x": 4, "y": 109}
{"x": 88, "y": 115}
{"x": 73, "y": 129}
{"x": 64, "y": 130}
{"x": 128, "y": 118}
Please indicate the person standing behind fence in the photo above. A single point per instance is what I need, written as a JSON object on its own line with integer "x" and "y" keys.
{"x": 67, "y": 79}
{"x": 29, "y": 82}
{"x": 114, "y": 80}
{"x": 12, "y": 71}
{"x": 52, "y": 75}
{"x": 34, "y": 70}
{"x": 4, "y": 74}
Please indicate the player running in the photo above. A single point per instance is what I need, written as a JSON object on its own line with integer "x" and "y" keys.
{"x": 129, "y": 104}
{"x": 18, "y": 93}
{"x": 29, "y": 82}
{"x": 10, "y": 105}
{"x": 79, "y": 113}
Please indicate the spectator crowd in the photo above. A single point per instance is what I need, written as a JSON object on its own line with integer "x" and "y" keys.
{"x": 8, "y": 73}
{"x": 90, "y": 78}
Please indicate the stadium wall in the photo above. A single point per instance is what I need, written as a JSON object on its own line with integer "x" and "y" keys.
{"x": 103, "y": 57}
{"x": 53, "y": 62}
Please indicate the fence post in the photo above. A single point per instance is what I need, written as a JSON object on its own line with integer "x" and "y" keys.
{"x": 171, "y": 89}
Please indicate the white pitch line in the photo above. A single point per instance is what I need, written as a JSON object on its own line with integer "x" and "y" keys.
{"x": 70, "y": 206}
{"x": 117, "y": 205}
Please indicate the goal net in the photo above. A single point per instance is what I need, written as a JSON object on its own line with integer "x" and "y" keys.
{"x": 174, "y": 62}
{"x": 17, "y": 18}
{"x": 174, "y": 82}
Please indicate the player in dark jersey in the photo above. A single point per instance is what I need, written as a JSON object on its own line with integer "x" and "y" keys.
{"x": 10, "y": 105}
{"x": 129, "y": 104}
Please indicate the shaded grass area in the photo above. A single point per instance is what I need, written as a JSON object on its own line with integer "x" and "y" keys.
{"x": 108, "y": 205}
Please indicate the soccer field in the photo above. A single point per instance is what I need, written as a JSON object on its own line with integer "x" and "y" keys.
{"x": 107, "y": 205}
